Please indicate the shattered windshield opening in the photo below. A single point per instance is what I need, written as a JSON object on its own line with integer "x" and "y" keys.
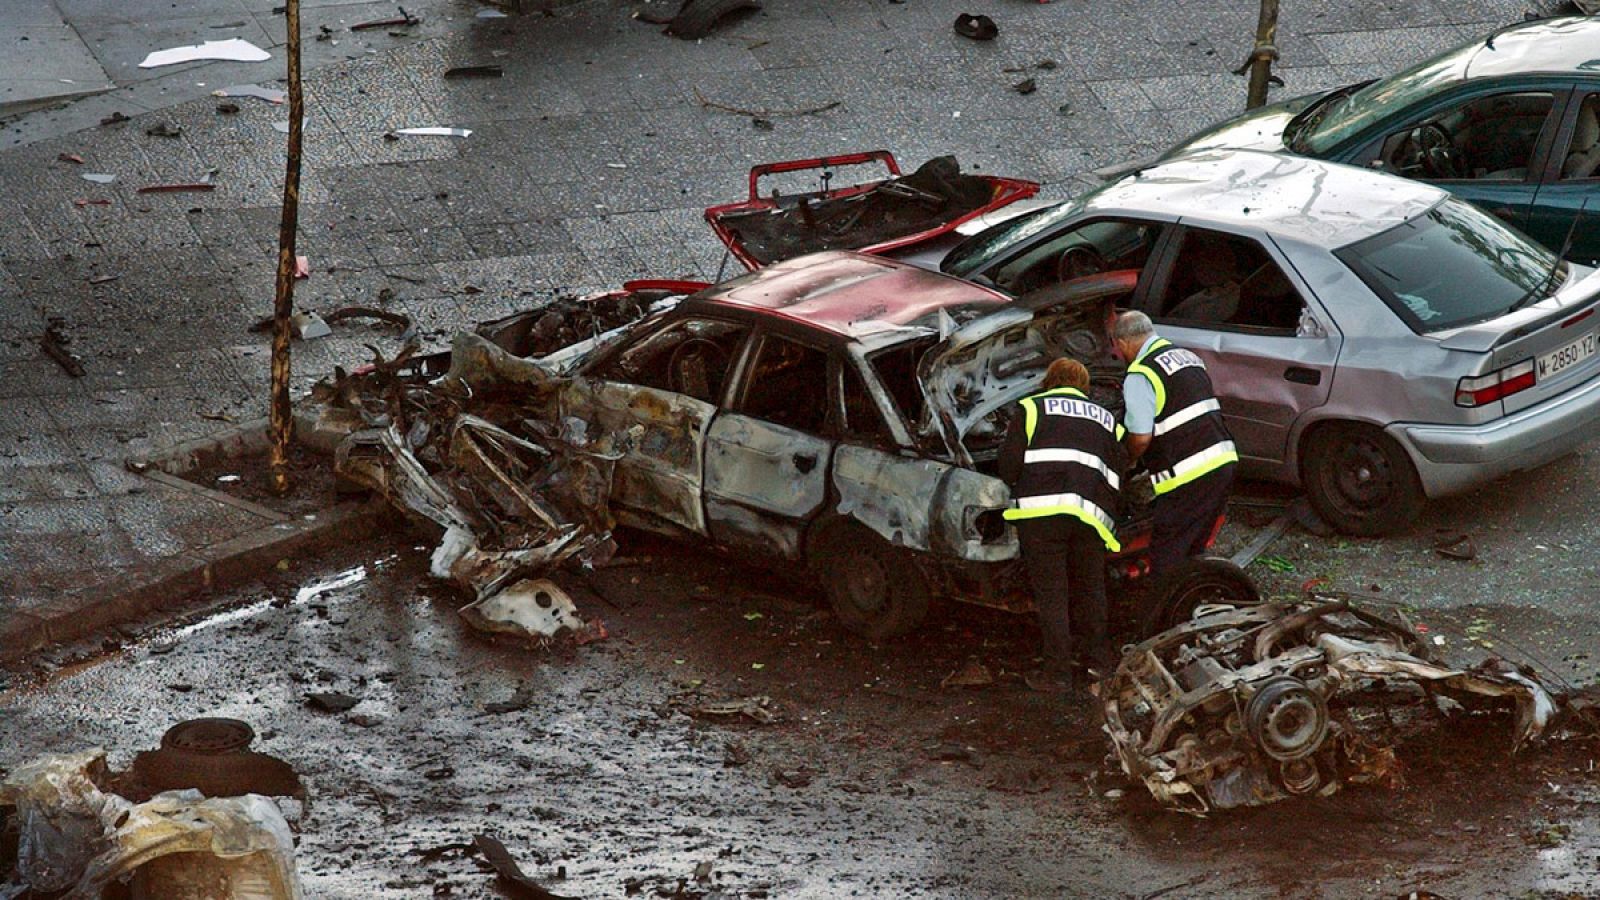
{"x": 1324, "y": 127}
{"x": 1451, "y": 266}
{"x": 975, "y": 252}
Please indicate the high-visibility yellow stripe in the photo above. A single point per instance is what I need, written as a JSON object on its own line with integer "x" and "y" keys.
{"x": 1074, "y": 505}
{"x": 1137, "y": 367}
{"x": 1188, "y": 414}
{"x": 1061, "y": 455}
{"x": 1190, "y": 468}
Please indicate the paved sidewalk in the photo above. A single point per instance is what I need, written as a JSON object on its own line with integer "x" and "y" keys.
{"x": 589, "y": 163}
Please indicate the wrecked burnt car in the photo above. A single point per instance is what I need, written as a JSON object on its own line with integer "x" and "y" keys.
{"x": 1245, "y": 707}
{"x": 839, "y": 410}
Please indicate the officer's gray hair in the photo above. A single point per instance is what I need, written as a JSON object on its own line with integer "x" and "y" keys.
{"x": 1132, "y": 324}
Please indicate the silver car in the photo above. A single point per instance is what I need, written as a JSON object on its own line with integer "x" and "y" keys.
{"x": 1372, "y": 339}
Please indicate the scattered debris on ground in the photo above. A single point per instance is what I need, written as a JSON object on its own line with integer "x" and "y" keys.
{"x": 1248, "y": 707}
{"x": 434, "y": 131}
{"x": 758, "y": 709}
{"x": 270, "y": 95}
{"x": 508, "y": 873}
{"x": 164, "y": 129}
{"x": 978, "y": 28}
{"x": 488, "y": 71}
{"x": 54, "y": 344}
{"x": 231, "y": 50}
{"x": 404, "y": 20}
{"x": 696, "y": 19}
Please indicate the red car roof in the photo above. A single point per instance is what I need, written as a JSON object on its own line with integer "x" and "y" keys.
{"x": 851, "y": 294}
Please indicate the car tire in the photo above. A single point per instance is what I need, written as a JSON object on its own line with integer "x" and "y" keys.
{"x": 1360, "y": 481}
{"x": 1197, "y": 582}
{"x": 876, "y": 589}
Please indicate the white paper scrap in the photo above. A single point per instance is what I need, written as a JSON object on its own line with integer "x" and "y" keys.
{"x": 232, "y": 50}
{"x": 437, "y": 131}
{"x": 98, "y": 178}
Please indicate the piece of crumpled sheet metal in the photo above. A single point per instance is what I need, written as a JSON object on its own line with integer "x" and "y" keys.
{"x": 1168, "y": 763}
{"x": 76, "y": 838}
{"x": 511, "y": 510}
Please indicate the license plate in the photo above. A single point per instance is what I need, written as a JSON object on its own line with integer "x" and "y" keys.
{"x": 1576, "y": 352}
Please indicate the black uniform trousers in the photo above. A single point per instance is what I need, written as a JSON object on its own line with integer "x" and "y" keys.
{"x": 1183, "y": 518}
{"x": 1066, "y": 565}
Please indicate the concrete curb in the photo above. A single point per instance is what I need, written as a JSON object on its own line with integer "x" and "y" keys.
{"x": 171, "y": 583}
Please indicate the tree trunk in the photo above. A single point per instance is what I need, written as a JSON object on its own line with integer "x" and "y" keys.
{"x": 1265, "y": 52}
{"x": 280, "y": 413}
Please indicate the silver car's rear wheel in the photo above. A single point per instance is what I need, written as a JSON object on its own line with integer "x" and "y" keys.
{"x": 1360, "y": 481}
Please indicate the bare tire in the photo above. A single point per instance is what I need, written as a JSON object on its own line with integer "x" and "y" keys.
{"x": 876, "y": 589}
{"x": 1199, "y": 582}
{"x": 1360, "y": 481}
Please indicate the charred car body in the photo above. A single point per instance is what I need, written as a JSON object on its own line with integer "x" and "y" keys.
{"x": 838, "y": 410}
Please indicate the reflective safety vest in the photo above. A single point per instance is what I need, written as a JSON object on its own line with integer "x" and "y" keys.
{"x": 1189, "y": 439}
{"x": 1070, "y": 467}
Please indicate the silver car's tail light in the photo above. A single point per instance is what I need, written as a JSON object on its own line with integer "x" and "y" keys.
{"x": 1497, "y": 385}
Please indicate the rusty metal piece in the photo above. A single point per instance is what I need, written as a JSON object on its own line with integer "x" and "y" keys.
{"x": 1234, "y": 708}
{"x": 509, "y": 874}
{"x": 54, "y": 344}
{"x": 183, "y": 187}
{"x": 405, "y": 19}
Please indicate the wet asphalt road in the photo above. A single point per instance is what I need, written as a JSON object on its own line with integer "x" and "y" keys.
{"x": 878, "y": 783}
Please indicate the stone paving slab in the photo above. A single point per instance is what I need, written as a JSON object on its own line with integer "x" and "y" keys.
{"x": 590, "y": 162}
{"x": 43, "y": 59}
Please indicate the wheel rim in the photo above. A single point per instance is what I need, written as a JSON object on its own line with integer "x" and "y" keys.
{"x": 866, "y": 582}
{"x": 1183, "y": 603}
{"x": 1361, "y": 478}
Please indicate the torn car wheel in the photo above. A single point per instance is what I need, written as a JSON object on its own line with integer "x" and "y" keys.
{"x": 1196, "y": 583}
{"x": 875, "y": 589}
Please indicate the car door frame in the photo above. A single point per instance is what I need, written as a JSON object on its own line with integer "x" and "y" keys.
{"x": 1264, "y": 444}
{"x": 665, "y": 460}
{"x": 1550, "y": 175}
{"x": 1165, "y": 224}
{"x": 764, "y": 483}
{"x": 1366, "y": 148}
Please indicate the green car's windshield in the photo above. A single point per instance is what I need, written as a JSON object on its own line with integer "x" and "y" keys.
{"x": 1323, "y": 126}
{"x": 1452, "y": 266}
{"x": 976, "y": 251}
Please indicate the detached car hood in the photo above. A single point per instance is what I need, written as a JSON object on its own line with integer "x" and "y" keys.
{"x": 998, "y": 358}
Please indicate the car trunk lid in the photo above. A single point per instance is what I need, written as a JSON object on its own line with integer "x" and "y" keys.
{"x": 1556, "y": 339}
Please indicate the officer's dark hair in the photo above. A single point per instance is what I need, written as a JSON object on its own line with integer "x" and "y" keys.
{"x": 1066, "y": 372}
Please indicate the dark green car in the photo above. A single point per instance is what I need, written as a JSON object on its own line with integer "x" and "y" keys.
{"x": 1510, "y": 122}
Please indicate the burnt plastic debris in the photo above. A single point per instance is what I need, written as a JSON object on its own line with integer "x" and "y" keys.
{"x": 978, "y": 28}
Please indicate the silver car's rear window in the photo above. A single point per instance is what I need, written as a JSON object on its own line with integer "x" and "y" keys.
{"x": 1451, "y": 266}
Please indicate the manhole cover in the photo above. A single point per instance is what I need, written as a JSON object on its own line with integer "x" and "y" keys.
{"x": 214, "y": 735}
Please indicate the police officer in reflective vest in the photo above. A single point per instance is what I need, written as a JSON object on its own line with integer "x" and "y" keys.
{"x": 1174, "y": 425}
{"x": 1063, "y": 461}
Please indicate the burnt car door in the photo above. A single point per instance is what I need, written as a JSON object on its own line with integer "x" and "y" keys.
{"x": 766, "y": 459}
{"x": 662, "y": 389}
{"x": 1269, "y": 346}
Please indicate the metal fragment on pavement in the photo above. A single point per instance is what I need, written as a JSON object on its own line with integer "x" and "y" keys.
{"x": 270, "y": 95}
{"x": 490, "y": 14}
{"x": 98, "y": 177}
{"x": 231, "y": 50}
{"x": 435, "y": 131}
